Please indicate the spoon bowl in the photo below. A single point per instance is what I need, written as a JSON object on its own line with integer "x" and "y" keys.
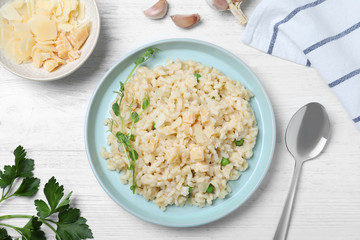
{"x": 306, "y": 136}
{"x": 308, "y": 132}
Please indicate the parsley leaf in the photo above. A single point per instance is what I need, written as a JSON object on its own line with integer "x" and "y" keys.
{"x": 42, "y": 208}
{"x": 4, "y": 235}
{"x": 24, "y": 166}
{"x": 28, "y": 187}
{"x": 32, "y": 230}
{"x": 64, "y": 204}
{"x": 69, "y": 216}
{"x": 8, "y": 176}
{"x": 19, "y": 154}
{"x": 53, "y": 193}
{"x": 74, "y": 231}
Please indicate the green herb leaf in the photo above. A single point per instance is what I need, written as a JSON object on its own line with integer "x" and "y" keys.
{"x": 239, "y": 143}
{"x": 24, "y": 166}
{"x": 28, "y": 187}
{"x": 212, "y": 97}
{"x": 69, "y": 216}
{"x": 134, "y": 117}
{"x": 53, "y": 193}
{"x": 139, "y": 60}
{"x": 197, "y": 75}
{"x": 153, "y": 126}
{"x": 65, "y": 203}
{"x": 74, "y": 231}
{"x": 33, "y": 223}
{"x": 7, "y": 176}
{"x": 32, "y": 230}
{"x": 122, "y": 87}
{"x": 121, "y": 91}
{"x": 131, "y": 137}
{"x": 116, "y": 109}
{"x": 133, "y": 155}
{"x": 224, "y": 161}
{"x": 210, "y": 189}
{"x": 123, "y": 139}
{"x": 4, "y": 235}
{"x": 190, "y": 189}
{"x": 149, "y": 52}
{"x": 146, "y": 103}
{"x": 19, "y": 154}
{"x": 43, "y": 210}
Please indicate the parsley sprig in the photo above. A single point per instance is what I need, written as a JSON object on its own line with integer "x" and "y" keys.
{"x": 125, "y": 139}
{"x": 69, "y": 224}
{"x": 21, "y": 170}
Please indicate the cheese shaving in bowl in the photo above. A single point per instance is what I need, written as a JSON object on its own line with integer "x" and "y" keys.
{"x": 45, "y": 33}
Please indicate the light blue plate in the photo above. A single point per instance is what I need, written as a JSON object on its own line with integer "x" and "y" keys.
{"x": 207, "y": 54}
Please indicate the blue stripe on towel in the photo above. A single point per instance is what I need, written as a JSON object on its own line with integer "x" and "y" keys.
{"x": 287, "y": 18}
{"x": 356, "y": 119}
{"x": 333, "y": 38}
{"x": 344, "y": 78}
{"x": 308, "y": 63}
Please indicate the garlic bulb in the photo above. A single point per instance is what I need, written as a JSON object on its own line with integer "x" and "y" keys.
{"x": 232, "y": 5}
{"x": 185, "y": 21}
{"x": 158, "y": 10}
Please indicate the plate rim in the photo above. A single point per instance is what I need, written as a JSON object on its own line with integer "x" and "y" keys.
{"x": 162, "y": 223}
{"x": 49, "y": 79}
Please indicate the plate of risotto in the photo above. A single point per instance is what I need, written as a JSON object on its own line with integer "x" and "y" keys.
{"x": 180, "y": 132}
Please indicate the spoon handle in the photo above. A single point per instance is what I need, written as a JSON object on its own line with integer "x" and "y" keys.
{"x": 283, "y": 225}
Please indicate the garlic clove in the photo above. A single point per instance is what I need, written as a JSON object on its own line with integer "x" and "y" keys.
{"x": 220, "y": 5}
{"x": 185, "y": 21}
{"x": 158, "y": 10}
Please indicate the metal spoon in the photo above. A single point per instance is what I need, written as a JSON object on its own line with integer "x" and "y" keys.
{"x": 306, "y": 136}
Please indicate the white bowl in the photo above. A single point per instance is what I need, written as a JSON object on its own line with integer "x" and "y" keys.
{"x": 28, "y": 71}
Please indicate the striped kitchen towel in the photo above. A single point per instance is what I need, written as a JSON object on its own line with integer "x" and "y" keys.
{"x": 324, "y": 34}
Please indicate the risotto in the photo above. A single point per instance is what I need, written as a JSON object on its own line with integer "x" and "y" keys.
{"x": 194, "y": 137}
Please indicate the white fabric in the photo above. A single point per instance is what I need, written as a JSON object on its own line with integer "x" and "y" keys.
{"x": 323, "y": 33}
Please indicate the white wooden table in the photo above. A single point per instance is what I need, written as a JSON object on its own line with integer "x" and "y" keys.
{"x": 47, "y": 118}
